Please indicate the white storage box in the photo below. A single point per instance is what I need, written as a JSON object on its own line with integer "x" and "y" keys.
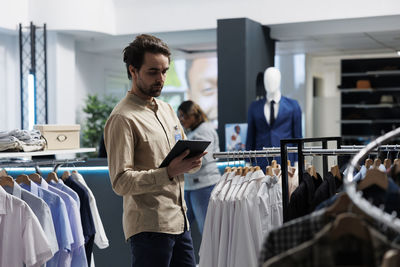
{"x": 60, "y": 136}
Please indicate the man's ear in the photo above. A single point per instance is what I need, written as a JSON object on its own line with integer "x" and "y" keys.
{"x": 132, "y": 71}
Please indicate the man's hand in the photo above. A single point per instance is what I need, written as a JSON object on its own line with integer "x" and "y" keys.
{"x": 179, "y": 165}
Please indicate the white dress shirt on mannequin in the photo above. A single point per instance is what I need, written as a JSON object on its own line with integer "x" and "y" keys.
{"x": 272, "y": 84}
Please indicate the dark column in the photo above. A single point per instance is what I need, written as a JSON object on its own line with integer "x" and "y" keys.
{"x": 245, "y": 49}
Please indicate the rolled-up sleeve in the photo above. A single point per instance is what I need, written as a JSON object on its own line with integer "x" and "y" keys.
{"x": 120, "y": 140}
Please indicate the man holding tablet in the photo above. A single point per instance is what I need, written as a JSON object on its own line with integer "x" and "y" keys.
{"x": 139, "y": 134}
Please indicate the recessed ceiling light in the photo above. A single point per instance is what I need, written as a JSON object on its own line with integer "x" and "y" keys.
{"x": 398, "y": 52}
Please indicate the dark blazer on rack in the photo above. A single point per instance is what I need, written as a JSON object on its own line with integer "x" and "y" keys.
{"x": 260, "y": 134}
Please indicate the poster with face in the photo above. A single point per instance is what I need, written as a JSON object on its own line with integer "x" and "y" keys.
{"x": 203, "y": 88}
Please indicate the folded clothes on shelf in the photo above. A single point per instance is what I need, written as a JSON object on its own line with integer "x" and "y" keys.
{"x": 21, "y": 140}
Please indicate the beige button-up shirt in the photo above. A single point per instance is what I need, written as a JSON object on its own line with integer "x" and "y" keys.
{"x": 138, "y": 135}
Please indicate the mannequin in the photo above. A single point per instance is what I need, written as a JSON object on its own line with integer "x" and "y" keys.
{"x": 268, "y": 125}
{"x": 272, "y": 84}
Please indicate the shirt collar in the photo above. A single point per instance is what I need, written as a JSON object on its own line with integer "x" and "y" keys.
{"x": 3, "y": 202}
{"x": 276, "y": 97}
{"x": 44, "y": 184}
{"x": 144, "y": 103}
{"x": 34, "y": 189}
{"x": 257, "y": 175}
{"x": 55, "y": 184}
{"x": 17, "y": 190}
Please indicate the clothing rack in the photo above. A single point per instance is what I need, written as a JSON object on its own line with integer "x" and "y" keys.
{"x": 36, "y": 164}
{"x": 303, "y": 151}
{"x": 356, "y": 198}
{"x": 300, "y": 154}
{"x": 318, "y": 151}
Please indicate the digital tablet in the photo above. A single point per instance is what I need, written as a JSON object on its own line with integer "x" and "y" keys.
{"x": 196, "y": 147}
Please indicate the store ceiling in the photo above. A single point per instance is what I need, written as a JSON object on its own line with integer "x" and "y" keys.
{"x": 339, "y": 37}
{"x": 319, "y": 38}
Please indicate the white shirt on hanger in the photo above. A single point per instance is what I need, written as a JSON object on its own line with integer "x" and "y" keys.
{"x": 235, "y": 217}
{"x": 265, "y": 205}
{"x": 246, "y": 253}
{"x": 243, "y": 186}
{"x": 227, "y": 222}
{"x": 40, "y": 209}
{"x": 276, "y": 205}
{"x": 26, "y": 242}
{"x": 208, "y": 250}
{"x": 270, "y": 196}
{"x": 217, "y": 224}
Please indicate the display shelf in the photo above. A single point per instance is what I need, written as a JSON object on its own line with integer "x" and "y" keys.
{"x": 380, "y": 72}
{"x": 366, "y": 137}
{"x": 384, "y": 72}
{"x": 356, "y": 121}
{"x": 367, "y": 106}
{"x": 45, "y": 152}
{"x": 370, "y": 90}
{"x": 350, "y": 137}
{"x": 372, "y": 73}
{"x": 354, "y": 74}
{"x": 368, "y": 121}
{"x": 367, "y": 113}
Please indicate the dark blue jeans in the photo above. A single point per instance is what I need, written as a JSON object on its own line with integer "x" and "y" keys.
{"x": 162, "y": 250}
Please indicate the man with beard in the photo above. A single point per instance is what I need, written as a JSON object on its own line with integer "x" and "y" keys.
{"x": 139, "y": 133}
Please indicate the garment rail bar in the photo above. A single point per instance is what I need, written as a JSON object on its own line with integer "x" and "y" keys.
{"x": 307, "y": 151}
{"x": 36, "y": 164}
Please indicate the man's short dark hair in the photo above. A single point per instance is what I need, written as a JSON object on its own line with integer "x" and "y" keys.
{"x": 134, "y": 52}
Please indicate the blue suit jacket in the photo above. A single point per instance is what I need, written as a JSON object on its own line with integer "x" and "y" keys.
{"x": 260, "y": 134}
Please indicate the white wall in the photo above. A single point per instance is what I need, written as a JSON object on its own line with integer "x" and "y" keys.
{"x": 88, "y": 15}
{"x": 293, "y": 84}
{"x": 9, "y": 83}
{"x": 61, "y": 79}
{"x": 323, "y": 111}
{"x": 98, "y": 74}
{"x": 12, "y": 13}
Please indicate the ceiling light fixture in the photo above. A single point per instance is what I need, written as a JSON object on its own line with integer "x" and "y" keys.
{"x": 398, "y": 52}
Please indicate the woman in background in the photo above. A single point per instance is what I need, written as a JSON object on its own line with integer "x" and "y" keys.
{"x": 198, "y": 186}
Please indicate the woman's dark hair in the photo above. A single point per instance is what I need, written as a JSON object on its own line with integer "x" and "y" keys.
{"x": 134, "y": 52}
{"x": 190, "y": 108}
